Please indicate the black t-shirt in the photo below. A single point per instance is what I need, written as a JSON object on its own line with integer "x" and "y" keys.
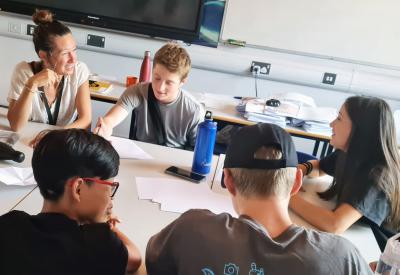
{"x": 51, "y": 243}
{"x": 362, "y": 193}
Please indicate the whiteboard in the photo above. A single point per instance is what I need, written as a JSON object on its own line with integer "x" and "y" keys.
{"x": 357, "y": 30}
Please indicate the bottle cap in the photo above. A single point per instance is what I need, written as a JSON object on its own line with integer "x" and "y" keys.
{"x": 147, "y": 53}
{"x": 19, "y": 156}
{"x": 208, "y": 115}
{"x": 391, "y": 254}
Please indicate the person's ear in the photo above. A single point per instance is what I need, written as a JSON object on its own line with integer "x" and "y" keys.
{"x": 298, "y": 181}
{"x": 183, "y": 81}
{"x": 45, "y": 57}
{"x": 228, "y": 181}
{"x": 74, "y": 187}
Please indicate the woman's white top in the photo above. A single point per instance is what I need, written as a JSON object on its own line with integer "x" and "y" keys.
{"x": 67, "y": 113}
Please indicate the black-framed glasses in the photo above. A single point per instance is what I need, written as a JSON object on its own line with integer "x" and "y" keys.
{"x": 114, "y": 185}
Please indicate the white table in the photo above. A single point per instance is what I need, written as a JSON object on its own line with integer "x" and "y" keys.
{"x": 359, "y": 234}
{"x": 11, "y": 195}
{"x": 141, "y": 219}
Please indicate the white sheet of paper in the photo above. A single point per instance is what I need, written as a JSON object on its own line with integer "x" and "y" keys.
{"x": 17, "y": 176}
{"x": 127, "y": 149}
{"x": 176, "y": 195}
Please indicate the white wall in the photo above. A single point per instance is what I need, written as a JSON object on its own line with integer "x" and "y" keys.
{"x": 360, "y": 30}
{"x": 224, "y": 70}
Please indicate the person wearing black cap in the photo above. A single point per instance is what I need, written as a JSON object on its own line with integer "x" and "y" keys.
{"x": 260, "y": 175}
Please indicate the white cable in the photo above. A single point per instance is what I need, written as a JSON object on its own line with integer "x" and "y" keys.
{"x": 256, "y": 73}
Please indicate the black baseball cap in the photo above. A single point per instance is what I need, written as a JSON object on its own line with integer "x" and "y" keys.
{"x": 246, "y": 142}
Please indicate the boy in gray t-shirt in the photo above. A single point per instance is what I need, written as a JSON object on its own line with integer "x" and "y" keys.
{"x": 261, "y": 175}
{"x": 164, "y": 113}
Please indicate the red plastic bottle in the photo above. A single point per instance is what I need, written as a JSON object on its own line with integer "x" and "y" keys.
{"x": 145, "y": 69}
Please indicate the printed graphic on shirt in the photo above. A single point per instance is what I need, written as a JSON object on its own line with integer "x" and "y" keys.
{"x": 233, "y": 269}
{"x": 255, "y": 271}
{"x": 207, "y": 271}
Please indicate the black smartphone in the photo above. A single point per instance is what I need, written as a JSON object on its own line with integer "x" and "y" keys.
{"x": 185, "y": 174}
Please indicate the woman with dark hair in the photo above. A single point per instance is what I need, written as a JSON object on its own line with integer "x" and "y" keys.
{"x": 54, "y": 90}
{"x": 365, "y": 167}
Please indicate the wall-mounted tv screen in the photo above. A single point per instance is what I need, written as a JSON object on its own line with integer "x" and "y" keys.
{"x": 173, "y": 19}
{"x": 213, "y": 14}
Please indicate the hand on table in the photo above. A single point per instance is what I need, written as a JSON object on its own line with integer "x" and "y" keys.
{"x": 102, "y": 129}
{"x": 37, "y": 138}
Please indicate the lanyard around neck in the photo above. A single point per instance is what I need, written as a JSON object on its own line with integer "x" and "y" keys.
{"x": 53, "y": 117}
{"x": 37, "y": 67}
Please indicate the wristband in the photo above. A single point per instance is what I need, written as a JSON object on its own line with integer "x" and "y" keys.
{"x": 29, "y": 89}
{"x": 309, "y": 167}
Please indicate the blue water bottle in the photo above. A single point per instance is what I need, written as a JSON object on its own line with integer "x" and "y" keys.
{"x": 204, "y": 148}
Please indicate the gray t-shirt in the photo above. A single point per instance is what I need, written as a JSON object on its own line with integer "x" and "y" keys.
{"x": 180, "y": 117}
{"x": 200, "y": 242}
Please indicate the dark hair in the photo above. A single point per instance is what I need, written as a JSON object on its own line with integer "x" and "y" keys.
{"x": 372, "y": 153}
{"x": 47, "y": 28}
{"x": 63, "y": 154}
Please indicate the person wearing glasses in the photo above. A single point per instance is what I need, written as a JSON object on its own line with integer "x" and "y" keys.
{"x": 54, "y": 90}
{"x": 76, "y": 231}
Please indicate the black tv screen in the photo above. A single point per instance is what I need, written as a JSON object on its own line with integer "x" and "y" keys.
{"x": 173, "y": 19}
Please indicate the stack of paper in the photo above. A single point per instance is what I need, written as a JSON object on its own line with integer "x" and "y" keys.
{"x": 317, "y": 128}
{"x": 279, "y": 120}
{"x": 176, "y": 195}
{"x": 315, "y": 119}
{"x": 17, "y": 176}
{"x": 255, "y": 112}
{"x": 8, "y": 137}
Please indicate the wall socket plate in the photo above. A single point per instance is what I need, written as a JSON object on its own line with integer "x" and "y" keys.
{"x": 95, "y": 40}
{"x": 14, "y": 27}
{"x": 263, "y": 68}
{"x": 329, "y": 78}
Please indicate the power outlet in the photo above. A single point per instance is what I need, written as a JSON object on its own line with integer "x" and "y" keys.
{"x": 14, "y": 27}
{"x": 260, "y": 68}
{"x": 95, "y": 40}
{"x": 30, "y": 29}
{"x": 329, "y": 78}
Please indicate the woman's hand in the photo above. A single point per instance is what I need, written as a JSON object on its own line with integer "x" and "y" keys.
{"x": 45, "y": 77}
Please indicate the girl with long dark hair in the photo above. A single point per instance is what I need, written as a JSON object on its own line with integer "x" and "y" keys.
{"x": 365, "y": 168}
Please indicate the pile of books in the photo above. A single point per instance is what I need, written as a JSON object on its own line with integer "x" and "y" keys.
{"x": 308, "y": 116}
{"x": 99, "y": 86}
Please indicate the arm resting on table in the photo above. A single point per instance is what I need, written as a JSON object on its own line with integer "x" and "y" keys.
{"x": 334, "y": 221}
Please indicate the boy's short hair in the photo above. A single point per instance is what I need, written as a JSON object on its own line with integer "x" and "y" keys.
{"x": 262, "y": 160}
{"x": 63, "y": 154}
{"x": 175, "y": 58}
